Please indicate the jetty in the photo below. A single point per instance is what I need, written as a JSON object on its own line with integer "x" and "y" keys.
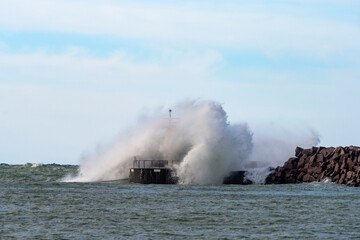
{"x": 162, "y": 172}
{"x": 152, "y": 172}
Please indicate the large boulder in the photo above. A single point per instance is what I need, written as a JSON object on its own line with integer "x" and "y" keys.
{"x": 341, "y": 165}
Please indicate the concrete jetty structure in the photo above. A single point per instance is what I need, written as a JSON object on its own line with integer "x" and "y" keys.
{"x": 152, "y": 172}
{"x": 162, "y": 172}
{"x": 237, "y": 177}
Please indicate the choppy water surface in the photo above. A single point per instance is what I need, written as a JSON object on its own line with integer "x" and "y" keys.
{"x": 35, "y": 204}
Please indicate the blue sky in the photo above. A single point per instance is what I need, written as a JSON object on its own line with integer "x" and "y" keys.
{"x": 74, "y": 74}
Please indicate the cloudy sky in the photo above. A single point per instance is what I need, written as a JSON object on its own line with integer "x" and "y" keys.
{"x": 74, "y": 73}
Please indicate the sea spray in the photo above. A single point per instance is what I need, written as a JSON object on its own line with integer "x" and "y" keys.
{"x": 258, "y": 175}
{"x": 203, "y": 146}
{"x": 274, "y": 144}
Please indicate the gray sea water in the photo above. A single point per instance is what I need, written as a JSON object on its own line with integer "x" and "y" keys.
{"x": 34, "y": 204}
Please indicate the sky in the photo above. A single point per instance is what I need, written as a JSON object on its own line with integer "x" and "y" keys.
{"x": 75, "y": 73}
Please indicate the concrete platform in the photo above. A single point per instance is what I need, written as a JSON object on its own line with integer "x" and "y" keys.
{"x": 152, "y": 176}
{"x": 236, "y": 177}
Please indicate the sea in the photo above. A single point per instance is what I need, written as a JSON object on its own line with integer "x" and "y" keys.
{"x": 36, "y": 204}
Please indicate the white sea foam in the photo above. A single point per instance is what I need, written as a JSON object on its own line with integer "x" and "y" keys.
{"x": 258, "y": 175}
{"x": 204, "y": 146}
{"x": 326, "y": 180}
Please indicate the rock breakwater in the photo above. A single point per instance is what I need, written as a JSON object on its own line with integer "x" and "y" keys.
{"x": 340, "y": 165}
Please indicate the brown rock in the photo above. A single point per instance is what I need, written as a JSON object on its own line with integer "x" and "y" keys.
{"x": 342, "y": 167}
{"x": 300, "y": 176}
{"x": 335, "y": 157}
{"x": 331, "y": 164}
{"x": 316, "y": 176}
{"x": 355, "y": 148}
{"x": 333, "y": 174}
{"x": 312, "y": 159}
{"x": 308, "y": 178}
{"x": 327, "y": 152}
{"x": 319, "y": 149}
{"x": 294, "y": 161}
{"x": 340, "y": 150}
{"x": 288, "y": 173}
{"x": 327, "y": 171}
{"x": 291, "y": 180}
{"x": 320, "y": 158}
{"x": 306, "y": 152}
{"x": 349, "y": 175}
{"x": 302, "y": 170}
{"x": 298, "y": 152}
{"x": 325, "y": 166}
{"x": 313, "y": 150}
{"x": 288, "y": 165}
{"x": 300, "y": 163}
{"x": 343, "y": 158}
{"x": 349, "y": 164}
{"x": 355, "y": 175}
{"x": 316, "y": 170}
{"x": 352, "y": 154}
{"x": 350, "y": 183}
{"x": 316, "y": 164}
{"x": 342, "y": 178}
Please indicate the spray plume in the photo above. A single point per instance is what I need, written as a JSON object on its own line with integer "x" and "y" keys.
{"x": 202, "y": 144}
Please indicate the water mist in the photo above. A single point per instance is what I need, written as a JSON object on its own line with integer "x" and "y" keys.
{"x": 202, "y": 144}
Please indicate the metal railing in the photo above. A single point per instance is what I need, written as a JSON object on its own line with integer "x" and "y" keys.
{"x": 150, "y": 163}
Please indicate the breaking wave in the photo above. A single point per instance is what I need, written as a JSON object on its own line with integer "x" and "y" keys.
{"x": 203, "y": 146}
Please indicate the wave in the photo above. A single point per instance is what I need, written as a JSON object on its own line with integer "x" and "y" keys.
{"x": 202, "y": 145}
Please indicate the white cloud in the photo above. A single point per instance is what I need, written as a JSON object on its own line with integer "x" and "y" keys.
{"x": 118, "y": 68}
{"x": 266, "y": 28}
